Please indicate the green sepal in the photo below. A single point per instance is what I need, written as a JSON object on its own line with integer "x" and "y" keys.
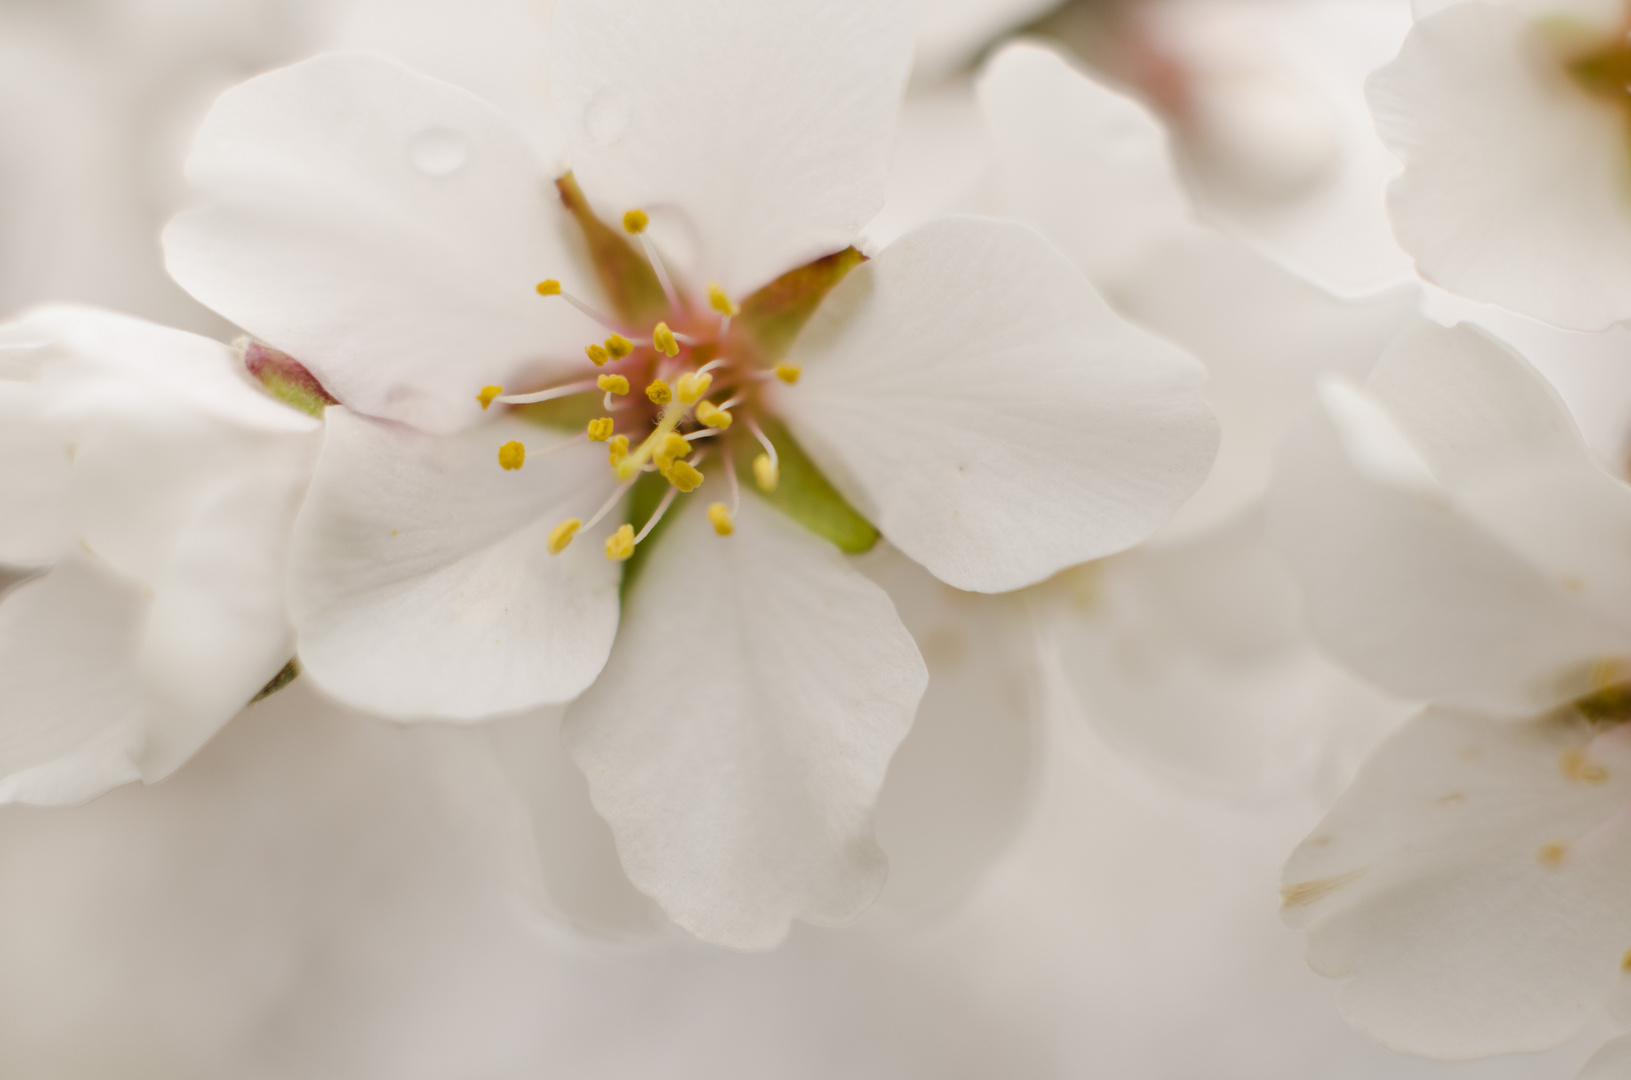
{"x": 806, "y": 496}
{"x": 647, "y": 492}
{"x": 288, "y": 674}
{"x": 630, "y": 283}
{"x": 773, "y": 316}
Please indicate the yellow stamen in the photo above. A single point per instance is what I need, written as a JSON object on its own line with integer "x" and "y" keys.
{"x": 693, "y": 386}
{"x": 488, "y": 393}
{"x": 720, "y": 515}
{"x": 712, "y": 415}
{"x": 672, "y": 448}
{"x": 619, "y": 346}
{"x": 613, "y": 384}
{"x": 635, "y": 221}
{"x": 663, "y": 340}
{"x": 720, "y": 302}
{"x": 598, "y": 354}
{"x": 512, "y": 455}
{"x": 766, "y": 474}
{"x": 683, "y": 475}
{"x": 549, "y": 288}
{"x": 600, "y": 429}
{"x": 620, "y": 545}
{"x": 788, "y": 373}
{"x": 617, "y": 449}
{"x": 561, "y": 535}
{"x": 659, "y": 393}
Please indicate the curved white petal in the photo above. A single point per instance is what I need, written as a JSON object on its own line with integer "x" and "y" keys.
{"x": 1090, "y": 168}
{"x": 36, "y": 527}
{"x": 217, "y": 631}
{"x": 1411, "y": 591}
{"x": 1470, "y": 886}
{"x": 420, "y": 585}
{"x": 756, "y": 135}
{"x": 971, "y": 393}
{"x": 1501, "y": 440}
{"x": 72, "y": 707}
{"x": 963, "y": 782}
{"x": 1264, "y": 336}
{"x": 1612, "y": 1062}
{"x": 738, "y": 738}
{"x": 385, "y": 229}
{"x": 1515, "y": 183}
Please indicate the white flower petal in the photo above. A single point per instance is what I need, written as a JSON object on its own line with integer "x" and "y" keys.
{"x": 1264, "y": 336}
{"x": 961, "y": 784}
{"x": 1191, "y": 657}
{"x": 740, "y": 733}
{"x": 1414, "y": 594}
{"x": 971, "y": 393}
{"x": 217, "y": 631}
{"x": 1502, "y": 441}
{"x": 420, "y": 584}
{"x": 1087, "y": 166}
{"x": 72, "y": 708}
{"x": 1612, "y": 1062}
{"x": 1470, "y": 885}
{"x": 754, "y": 134}
{"x": 36, "y": 526}
{"x": 1514, "y": 189}
{"x": 385, "y": 229}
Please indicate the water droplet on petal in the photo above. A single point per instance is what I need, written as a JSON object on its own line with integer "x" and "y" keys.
{"x": 606, "y": 115}
{"x": 439, "y": 151}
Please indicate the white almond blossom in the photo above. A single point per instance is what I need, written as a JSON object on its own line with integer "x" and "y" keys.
{"x": 1456, "y": 541}
{"x": 1511, "y": 119}
{"x": 1188, "y": 651}
{"x": 154, "y": 491}
{"x": 966, "y": 392}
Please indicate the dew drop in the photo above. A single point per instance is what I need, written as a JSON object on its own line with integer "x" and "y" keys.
{"x": 607, "y": 115}
{"x": 439, "y": 151}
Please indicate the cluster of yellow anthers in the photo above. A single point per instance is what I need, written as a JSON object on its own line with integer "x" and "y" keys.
{"x": 666, "y": 448}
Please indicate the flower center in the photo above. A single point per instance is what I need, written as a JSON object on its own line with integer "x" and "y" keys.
{"x": 667, "y": 406}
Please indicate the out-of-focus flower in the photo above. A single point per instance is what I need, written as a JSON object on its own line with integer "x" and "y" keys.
{"x": 966, "y": 390}
{"x": 1456, "y": 541}
{"x": 1189, "y": 652}
{"x": 155, "y": 489}
{"x": 1511, "y": 119}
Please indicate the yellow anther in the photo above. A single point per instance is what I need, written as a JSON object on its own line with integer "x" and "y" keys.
{"x": 488, "y": 393}
{"x": 720, "y": 302}
{"x": 618, "y": 448}
{"x": 766, "y": 474}
{"x": 720, "y": 515}
{"x": 693, "y": 386}
{"x": 635, "y": 221}
{"x": 598, "y": 354}
{"x": 549, "y": 288}
{"x": 659, "y": 393}
{"x": 683, "y": 475}
{"x": 712, "y": 415}
{"x": 561, "y": 535}
{"x": 663, "y": 340}
{"x": 613, "y": 384}
{"x": 619, "y": 346}
{"x": 600, "y": 429}
{"x": 620, "y": 545}
{"x": 788, "y": 373}
{"x": 672, "y": 448}
{"x": 512, "y": 455}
